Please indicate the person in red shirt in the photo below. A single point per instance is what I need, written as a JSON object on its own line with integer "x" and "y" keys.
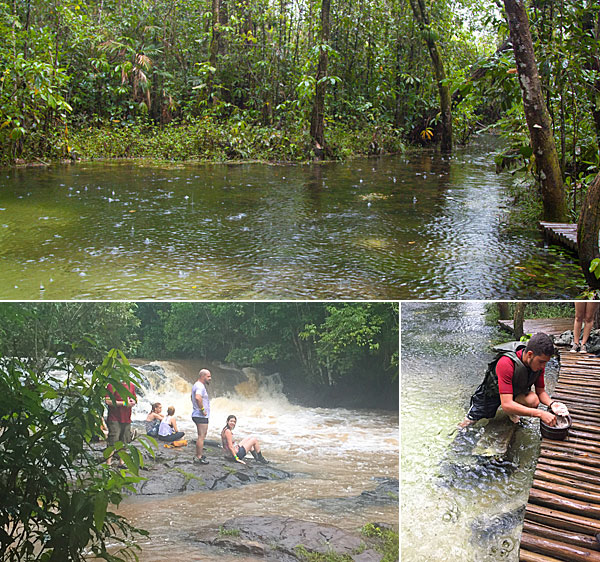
{"x": 508, "y": 383}
{"x": 119, "y": 416}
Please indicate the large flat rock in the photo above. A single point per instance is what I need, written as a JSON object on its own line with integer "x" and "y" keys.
{"x": 285, "y": 539}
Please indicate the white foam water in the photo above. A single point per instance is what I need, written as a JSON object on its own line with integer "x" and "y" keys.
{"x": 263, "y": 410}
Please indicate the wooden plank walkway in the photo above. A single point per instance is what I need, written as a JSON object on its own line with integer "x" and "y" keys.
{"x": 562, "y": 517}
{"x": 564, "y": 234}
{"x": 550, "y": 326}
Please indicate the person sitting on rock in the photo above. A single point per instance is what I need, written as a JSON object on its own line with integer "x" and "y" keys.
{"x": 153, "y": 419}
{"x": 237, "y": 452}
{"x": 167, "y": 431}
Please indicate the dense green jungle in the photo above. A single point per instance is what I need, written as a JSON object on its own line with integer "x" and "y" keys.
{"x": 323, "y": 351}
{"x": 304, "y": 81}
{"x": 61, "y": 498}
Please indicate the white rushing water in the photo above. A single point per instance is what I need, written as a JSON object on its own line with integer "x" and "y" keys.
{"x": 262, "y": 409}
{"x": 332, "y": 452}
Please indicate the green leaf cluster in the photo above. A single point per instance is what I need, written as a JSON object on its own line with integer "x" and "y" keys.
{"x": 56, "y": 488}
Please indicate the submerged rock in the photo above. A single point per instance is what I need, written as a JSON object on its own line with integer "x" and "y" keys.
{"x": 477, "y": 455}
{"x": 491, "y": 529}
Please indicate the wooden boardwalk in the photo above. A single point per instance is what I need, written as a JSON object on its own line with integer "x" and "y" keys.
{"x": 564, "y": 234}
{"x": 562, "y": 517}
{"x": 550, "y": 326}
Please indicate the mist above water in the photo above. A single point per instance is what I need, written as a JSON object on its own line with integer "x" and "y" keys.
{"x": 332, "y": 452}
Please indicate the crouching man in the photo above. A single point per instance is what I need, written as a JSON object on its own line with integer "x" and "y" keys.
{"x": 508, "y": 380}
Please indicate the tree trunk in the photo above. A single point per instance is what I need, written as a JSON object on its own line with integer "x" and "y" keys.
{"x": 587, "y": 232}
{"x": 594, "y": 64}
{"x": 519, "y": 319}
{"x": 214, "y": 49}
{"x": 317, "y": 121}
{"x": 503, "y": 311}
{"x": 536, "y": 114}
{"x": 418, "y": 8}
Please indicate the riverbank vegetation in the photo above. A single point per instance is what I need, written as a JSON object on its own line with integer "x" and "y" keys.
{"x": 324, "y": 352}
{"x": 57, "y": 495}
{"x": 223, "y": 80}
{"x": 270, "y": 81}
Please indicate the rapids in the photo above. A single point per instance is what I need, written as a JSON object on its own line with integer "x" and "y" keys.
{"x": 333, "y": 453}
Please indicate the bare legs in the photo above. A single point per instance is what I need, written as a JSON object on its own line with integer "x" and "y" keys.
{"x": 584, "y": 314}
{"x": 202, "y": 431}
{"x": 530, "y": 400}
{"x": 250, "y": 444}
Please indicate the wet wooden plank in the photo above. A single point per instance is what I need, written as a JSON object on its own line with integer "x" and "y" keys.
{"x": 564, "y": 234}
{"x": 562, "y": 516}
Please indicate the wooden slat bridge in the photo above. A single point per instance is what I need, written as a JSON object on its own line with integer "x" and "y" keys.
{"x": 561, "y": 233}
{"x": 562, "y": 518}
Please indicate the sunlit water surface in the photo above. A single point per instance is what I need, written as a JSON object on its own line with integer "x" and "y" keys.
{"x": 454, "y": 507}
{"x": 409, "y": 226}
{"x": 333, "y": 453}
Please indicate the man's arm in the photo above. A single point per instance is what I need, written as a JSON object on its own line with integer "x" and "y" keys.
{"x": 512, "y": 407}
{"x": 543, "y": 396}
{"x": 198, "y": 397}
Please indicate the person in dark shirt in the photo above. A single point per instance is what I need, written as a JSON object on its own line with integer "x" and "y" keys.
{"x": 508, "y": 381}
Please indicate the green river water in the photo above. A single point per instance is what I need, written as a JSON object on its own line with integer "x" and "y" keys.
{"x": 411, "y": 226}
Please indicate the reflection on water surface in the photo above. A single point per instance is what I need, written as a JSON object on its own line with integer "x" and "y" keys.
{"x": 409, "y": 226}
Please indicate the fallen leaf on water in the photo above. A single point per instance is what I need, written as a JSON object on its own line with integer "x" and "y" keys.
{"x": 132, "y": 211}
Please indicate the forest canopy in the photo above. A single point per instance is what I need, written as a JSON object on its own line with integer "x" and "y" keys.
{"x": 312, "y": 345}
{"x": 229, "y": 80}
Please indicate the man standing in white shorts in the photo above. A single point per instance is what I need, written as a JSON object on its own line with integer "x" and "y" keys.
{"x": 201, "y": 412}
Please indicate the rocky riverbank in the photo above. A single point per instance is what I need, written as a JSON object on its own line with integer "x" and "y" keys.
{"x": 284, "y": 539}
{"x": 173, "y": 471}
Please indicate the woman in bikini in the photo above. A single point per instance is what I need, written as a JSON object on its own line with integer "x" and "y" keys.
{"x": 238, "y": 451}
